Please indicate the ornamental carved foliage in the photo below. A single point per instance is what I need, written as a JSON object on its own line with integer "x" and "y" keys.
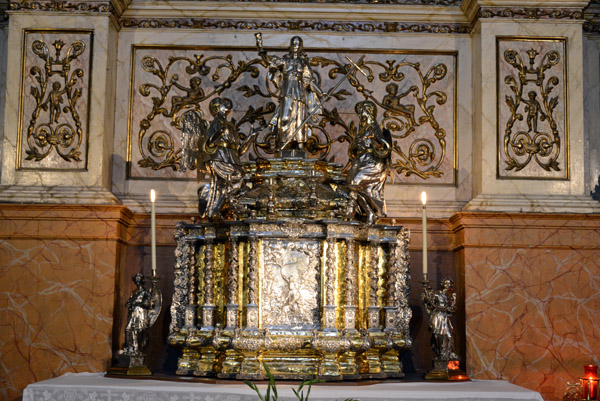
{"x": 532, "y": 109}
{"x": 54, "y": 100}
{"x": 414, "y": 94}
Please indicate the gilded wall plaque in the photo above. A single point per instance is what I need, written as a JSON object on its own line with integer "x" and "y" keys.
{"x": 415, "y": 94}
{"x": 533, "y": 131}
{"x": 54, "y": 105}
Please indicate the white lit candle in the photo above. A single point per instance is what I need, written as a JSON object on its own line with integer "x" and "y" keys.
{"x": 153, "y": 230}
{"x": 424, "y": 201}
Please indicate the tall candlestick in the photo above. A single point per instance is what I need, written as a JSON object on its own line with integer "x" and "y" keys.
{"x": 424, "y": 201}
{"x": 153, "y": 230}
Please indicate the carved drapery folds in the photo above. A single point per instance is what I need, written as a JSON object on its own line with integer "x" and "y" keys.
{"x": 532, "y": 108}
{"x": 414, "y": 94}
{"x": 54, "y": 109}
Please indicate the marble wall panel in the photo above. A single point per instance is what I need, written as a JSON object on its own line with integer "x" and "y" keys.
{"x": 531, "y": 297}
{"x": 415, "y": 92}
{"x": 591, "y": 102}
{"x": 54, "y": 110}
{"x": 533, "y": 133}
{"x": 57, "y": 291}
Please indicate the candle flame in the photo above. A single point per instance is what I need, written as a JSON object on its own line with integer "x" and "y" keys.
{"x": 424, "y": 198}
{"x": 152, "y": 196}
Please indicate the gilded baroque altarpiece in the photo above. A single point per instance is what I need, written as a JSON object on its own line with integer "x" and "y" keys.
{"x": 415, "y": 93}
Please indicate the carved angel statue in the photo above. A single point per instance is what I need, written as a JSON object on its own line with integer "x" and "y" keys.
{"x": 366, "y": 172}
{"x": 298, "y": 93}
{"x": 144, "y": 307}
{"x": 440, "y": 306}
{"x": 214, "y": 149}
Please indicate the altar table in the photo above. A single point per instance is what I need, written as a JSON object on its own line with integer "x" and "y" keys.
{"x": 96, "y": 387}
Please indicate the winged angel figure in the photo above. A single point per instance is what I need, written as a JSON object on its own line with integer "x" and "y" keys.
{"x": 214, "y": 149}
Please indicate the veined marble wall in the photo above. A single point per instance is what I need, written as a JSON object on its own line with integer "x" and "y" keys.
{"x": 531, "y": 297}
{"x": 536, "y": 273}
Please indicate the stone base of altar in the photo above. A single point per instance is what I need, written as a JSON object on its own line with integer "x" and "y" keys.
{"x": 81, "y": 386}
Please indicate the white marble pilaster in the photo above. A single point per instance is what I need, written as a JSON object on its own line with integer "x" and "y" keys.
{"x": 3, "y": 62}
{"x": 532, "y": 194}
{"x": 591, "y": 74}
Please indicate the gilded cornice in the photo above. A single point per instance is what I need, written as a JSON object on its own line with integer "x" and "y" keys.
{"x": 294, "y": 25}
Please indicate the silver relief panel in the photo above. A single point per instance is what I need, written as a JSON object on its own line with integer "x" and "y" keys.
{"x": 290, "y": 285}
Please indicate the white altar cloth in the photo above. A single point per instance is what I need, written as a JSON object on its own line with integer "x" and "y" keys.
{"x": 96, "y": 387}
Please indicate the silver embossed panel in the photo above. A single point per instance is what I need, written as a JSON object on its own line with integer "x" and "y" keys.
{"x": 289, "y": 285}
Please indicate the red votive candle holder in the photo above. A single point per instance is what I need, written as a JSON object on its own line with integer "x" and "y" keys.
{"x": 589, "y": 382}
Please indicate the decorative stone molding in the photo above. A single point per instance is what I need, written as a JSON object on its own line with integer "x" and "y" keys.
{"x": 592, "y": 18}
{"x": 530, "y": 13}
{"x": 114, "y": 7}
{"x": 102, "y": 7}
{"x": 375, "y": 2}
{"x": 475, "y": 10}
{"x": 297, "y": 25}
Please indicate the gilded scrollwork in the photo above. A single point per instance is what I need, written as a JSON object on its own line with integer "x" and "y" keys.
{"x": 170, "y": 98}
{"x": 534, "y": 111}
{"x": 415, "y": 96}
{"x": 55, "y": 100}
